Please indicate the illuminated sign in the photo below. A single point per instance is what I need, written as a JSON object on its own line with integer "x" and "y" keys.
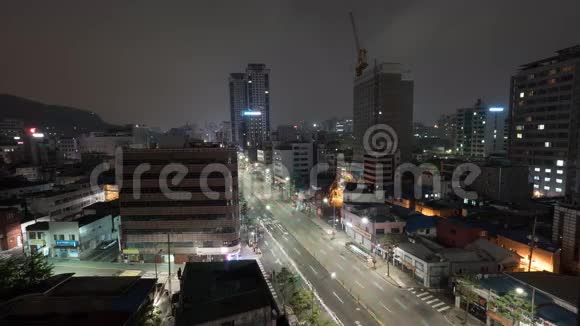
{"x": 66, "y": 243}
{"x": 252, "y": 113}
{"x": 495, "y": 109}
{"x": 38, "y": 135}
{"x": 16, "y": 137}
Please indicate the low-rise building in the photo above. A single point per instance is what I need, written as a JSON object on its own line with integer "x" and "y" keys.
{"x": 88, "y": 301}
{"x": 545, "y": 255}
{"x": 432, "y": 264}
{"x": 425, "y": 226}
{"x": 65, "y": 202}
{"x": 10, "y": 235}
{"x": 76, "y": 238}
{"x": 362, "y": 193}
{"x": 441, "y": 208}
{"x": 225, "y": 293}
{"x": 459, "y": 232}
{"x": 502, "y": 181}
{"x": 365, "y": 222}
{"x": 555, "y": 297}
{"x": 19, "y": 187}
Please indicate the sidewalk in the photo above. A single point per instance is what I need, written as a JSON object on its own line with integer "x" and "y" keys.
{"x": 456, "y": 317}
{"x": 396, "y": 276}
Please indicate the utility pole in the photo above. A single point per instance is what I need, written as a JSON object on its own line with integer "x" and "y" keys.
{"x": 532, "y": 243}
{"x": 169, "y": 265}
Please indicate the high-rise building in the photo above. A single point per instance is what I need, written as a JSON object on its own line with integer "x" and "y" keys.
{"x": 199, "y": 225}
{"x": 446, "y": 129}
{"x": 383, "y": 95}
{"x": 480, "y": 130}
{"x": 544, "y": 126}
{"x": 293, "y": 161}
{"x": 259, "y": 94}
{"x": 238, "y": 104}
{"x": 250, "y": 106}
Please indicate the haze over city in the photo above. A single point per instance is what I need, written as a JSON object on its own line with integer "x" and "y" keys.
{"x": 162, "y": 65}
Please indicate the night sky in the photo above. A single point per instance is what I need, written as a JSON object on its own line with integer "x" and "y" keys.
{"x": 164, "y": 63}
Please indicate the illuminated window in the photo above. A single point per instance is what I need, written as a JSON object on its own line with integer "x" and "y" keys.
{"x": 560, "y": 163}
{"x": 536, "y": 186}
{"x": 537, "y": 169}
{"x": 541, "y": 127}
{"x": 548, "y": 170}
{"x": 528, "y": 119}
{"x": 482, "y": 141}
{"x": 546, "y": 188}
{"x": 558, "y": 189}
{"x": 547, "y": 179}
{"x": 560, "y": 171}
{"x": 547, "y": 144}
{"x": 536, "y": 177}
{"x": 558, "y": 180}
{"x": 519, "y": 136}
{"x": 522, "y": 94}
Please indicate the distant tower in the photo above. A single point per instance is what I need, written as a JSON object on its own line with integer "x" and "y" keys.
{"x": 238, "y": 104}
{"x": 250, "y": 106}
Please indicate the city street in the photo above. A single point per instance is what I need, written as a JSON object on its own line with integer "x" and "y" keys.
{"x": 390, "y": 304}
{"x": 281, "y": 249}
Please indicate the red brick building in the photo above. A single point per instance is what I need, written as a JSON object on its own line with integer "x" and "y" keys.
{"x": 457, "y": 232}
{"x": 10, "y": 233}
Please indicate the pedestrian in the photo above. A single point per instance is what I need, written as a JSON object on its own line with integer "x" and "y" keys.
{"x": 179, "y": 273}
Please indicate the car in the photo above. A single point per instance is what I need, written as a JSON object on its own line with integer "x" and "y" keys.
{"x": 107, "y": 244}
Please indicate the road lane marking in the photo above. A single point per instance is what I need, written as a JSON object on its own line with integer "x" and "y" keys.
{"x": 341, "y": 268}
{"x": 310, "y": 286}
{"x": 322, "y": 251}
{"x": 427, "y": 297}
{"x": 422, "y": 294}
{"x": 410, "y": 289}
{"x": 437, "y": 305}
{"x": 313, "y": 270}
{"x": 383, "y": 305}
{"x": 400, "y": 304}
{"x": 430, "y": 302}
{"x": 357, "y": 283}
{"x": 342, "y": 257}
{"x": 278, "y": 261}
{"x": 356, "y": 267}
{"x": 339, "y": 299}
{"x": 285, "y": 238}
{"x": 378, "y": 286}
{"x": 266, "y": 243}
{"x": 298, "y": 252}
{"x": 443, "y": 309}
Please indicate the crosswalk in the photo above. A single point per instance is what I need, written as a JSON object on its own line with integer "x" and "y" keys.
{"x": 430, "y": 299}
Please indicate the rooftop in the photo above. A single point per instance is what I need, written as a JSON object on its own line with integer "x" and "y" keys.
{"x": 211, "y": 291}
{"x": 83, "y": 301}
{"x": 548, "y": 286}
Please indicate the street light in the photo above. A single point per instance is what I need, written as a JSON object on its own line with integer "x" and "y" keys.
{"x": 325, "y": 200}
{"x": 520, "y": 291}
{"x": 268, "y": 207}
{"x": 365, "y": 220}
{"x": 333, "y": 275}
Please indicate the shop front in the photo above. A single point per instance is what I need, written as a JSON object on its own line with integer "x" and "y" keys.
{"x": 66, "y": 249}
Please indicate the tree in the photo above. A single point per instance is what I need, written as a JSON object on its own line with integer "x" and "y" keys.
{"x": 306, "y": 310}
{"x": 286, "y": 283}
{"x": 24, "y": 272}
{"x": 150, "y": 316}
{"x": 465, "y": 285}
{"x": 514, "y": 306}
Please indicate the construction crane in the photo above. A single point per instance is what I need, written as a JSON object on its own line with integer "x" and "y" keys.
{"x": 361, "y": 52}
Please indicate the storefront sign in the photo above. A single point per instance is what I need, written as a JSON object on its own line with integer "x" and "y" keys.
{"x": 131, "y": 251}
{"x": 66, "y": 243}
{"x": 36, "y": 242}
